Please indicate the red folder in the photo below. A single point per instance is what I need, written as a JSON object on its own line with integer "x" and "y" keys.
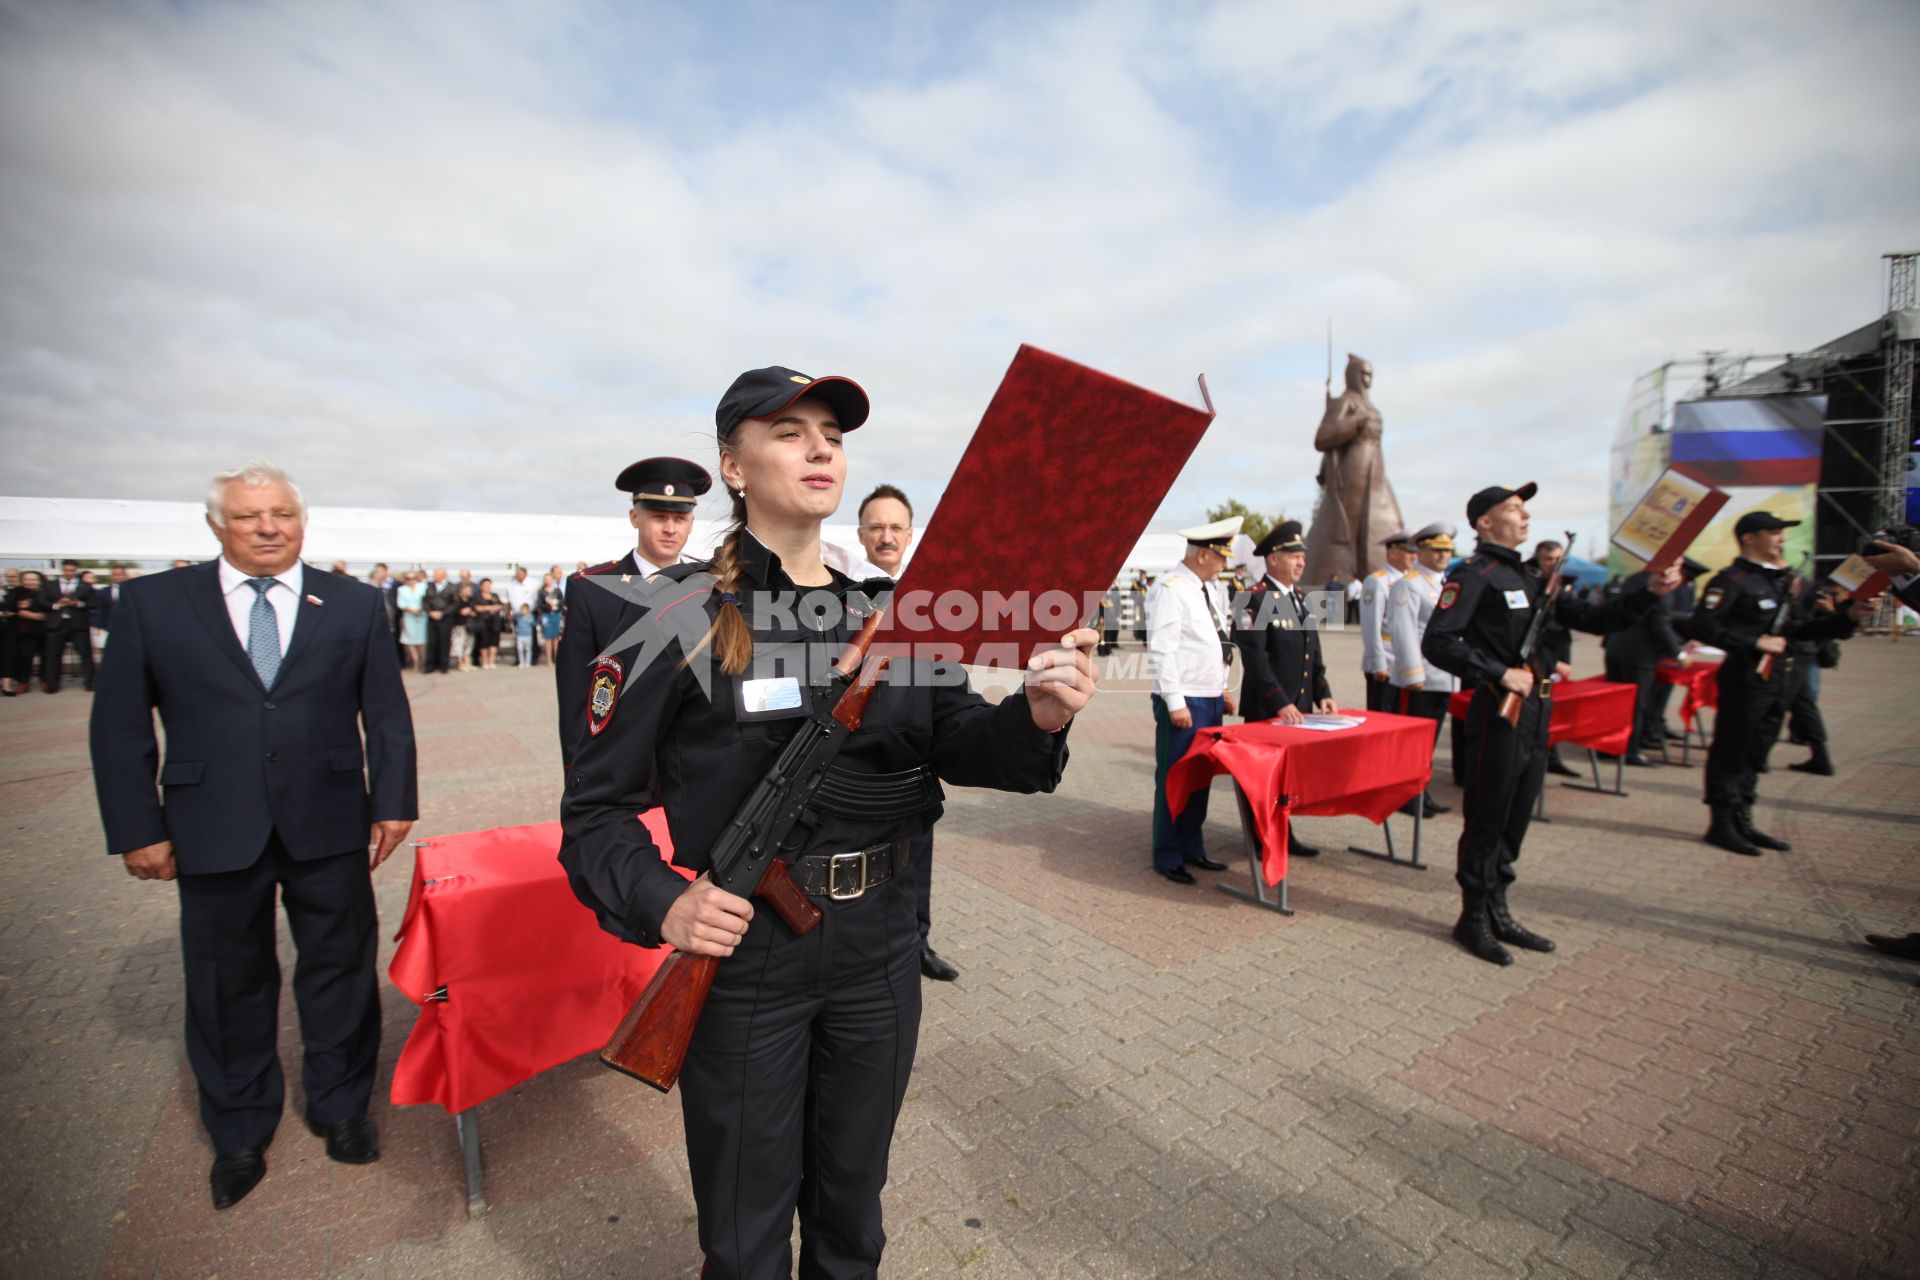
{"x": 1062, "y": 476}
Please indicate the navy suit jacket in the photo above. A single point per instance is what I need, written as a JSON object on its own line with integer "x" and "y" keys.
{"x": 244, "y": 761}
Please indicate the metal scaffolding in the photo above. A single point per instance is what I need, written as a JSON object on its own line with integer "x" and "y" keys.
{"x": 1897, "y": 437}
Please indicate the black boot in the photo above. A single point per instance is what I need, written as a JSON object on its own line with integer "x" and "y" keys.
{"x": 1556, "y": 765}
{"x": 1743, "y": 818}
{"x": 1725, "y": 833}
{"x": 1819, "y": 762}
{"x": 1475, "y": 933}
{"x": 1433, "y": 807}
{"x": 1509, "y": 930}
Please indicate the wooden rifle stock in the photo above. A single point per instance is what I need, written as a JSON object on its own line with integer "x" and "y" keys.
{"x": 650, "y": 1044}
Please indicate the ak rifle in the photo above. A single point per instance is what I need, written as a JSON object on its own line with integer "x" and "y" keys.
{"x": 650, "y": 1044}
{"x": 1531, "y": 656}
{"x": 1791, "y": 589}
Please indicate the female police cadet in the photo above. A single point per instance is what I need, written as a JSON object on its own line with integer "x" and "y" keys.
{"x": 800, "y": 1061}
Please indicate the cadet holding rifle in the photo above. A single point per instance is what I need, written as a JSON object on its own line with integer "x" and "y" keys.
{"x": 1487, "y": 629}
{"x": 799, "y": 1062}
{"x": 1752, "y": 608}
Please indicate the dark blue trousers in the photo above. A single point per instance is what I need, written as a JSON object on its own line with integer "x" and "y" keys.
{"x": 227, "y": 937}
{"x": 1176, "y": 841}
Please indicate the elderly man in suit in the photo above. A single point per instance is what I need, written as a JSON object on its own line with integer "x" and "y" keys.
{"x": 265, "y": 672}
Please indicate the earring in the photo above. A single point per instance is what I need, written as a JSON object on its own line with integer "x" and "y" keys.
{"x": 741, "y": 492}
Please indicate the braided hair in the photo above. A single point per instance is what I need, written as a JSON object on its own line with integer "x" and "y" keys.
{"x": 730, "y": 636}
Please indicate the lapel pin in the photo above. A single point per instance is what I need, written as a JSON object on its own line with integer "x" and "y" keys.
{"x": 315, "y": 601}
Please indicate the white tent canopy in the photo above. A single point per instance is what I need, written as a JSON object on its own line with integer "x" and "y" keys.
{"x": 44, "y": 530}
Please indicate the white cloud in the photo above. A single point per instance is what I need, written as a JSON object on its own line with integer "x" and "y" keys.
{"x": 466, "y": 259}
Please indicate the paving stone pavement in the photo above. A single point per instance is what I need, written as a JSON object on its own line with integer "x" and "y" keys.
{"x": 1711, "y": 1077}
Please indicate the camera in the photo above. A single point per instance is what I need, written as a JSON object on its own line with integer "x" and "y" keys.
{"x": 1899, "y": 536}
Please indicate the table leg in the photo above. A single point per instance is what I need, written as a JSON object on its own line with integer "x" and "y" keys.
{"x": 1260, "y": 895}
{"x": 1619, "y": 787}
{"x": 467, "y": 1127}
{"x": 1392, "y": 854}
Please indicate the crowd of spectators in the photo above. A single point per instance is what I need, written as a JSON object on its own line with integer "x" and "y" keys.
{"x": 444, "y": 624}
{"x": 440, "y": 624}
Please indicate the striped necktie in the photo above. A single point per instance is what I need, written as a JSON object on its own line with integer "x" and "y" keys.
{"x": 263, "y": 633}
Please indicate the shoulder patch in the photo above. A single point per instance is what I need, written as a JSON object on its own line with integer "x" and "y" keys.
{"x": 1449, "y": 594}
{"x": 1713, "y": 598}
{"x": 603, "y": 694}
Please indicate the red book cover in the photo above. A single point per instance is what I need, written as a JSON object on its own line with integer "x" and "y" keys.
{"x": 1061, "y": 478}
{"x": 1668, "y": 517}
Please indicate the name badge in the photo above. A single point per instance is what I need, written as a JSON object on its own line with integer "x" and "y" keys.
{"x": 1517, "y": 600}
{"x": 782, "y": 693}
{"x": 1766, "y": 604}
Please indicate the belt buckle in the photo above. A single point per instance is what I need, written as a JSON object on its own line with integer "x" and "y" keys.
{"x": 833, "y": 875}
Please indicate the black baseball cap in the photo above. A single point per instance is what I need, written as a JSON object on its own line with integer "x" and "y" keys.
{"x": 1760, "y": 522}
{"x": 760, "y": 393}
{"x": 1487, "y": 499}
{"x": 665, "y": 484}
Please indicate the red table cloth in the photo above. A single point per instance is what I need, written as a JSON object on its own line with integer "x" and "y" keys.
{"x": 530, "y": 980}
{"x": 1370, "y": 770}
{"x": 1701, "y": 680}
{"x": 1592, "y": 713}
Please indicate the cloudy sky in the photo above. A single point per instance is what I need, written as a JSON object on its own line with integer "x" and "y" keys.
{"x": 480, "y": 255}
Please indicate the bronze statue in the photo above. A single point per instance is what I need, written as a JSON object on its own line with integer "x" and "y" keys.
{"x": 1357, "y": 507}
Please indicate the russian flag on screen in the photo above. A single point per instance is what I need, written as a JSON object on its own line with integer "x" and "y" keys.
{"x": 1765, "y": 441}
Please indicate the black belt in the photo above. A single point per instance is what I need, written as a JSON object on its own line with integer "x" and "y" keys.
{"x": 845, "y": 876}
{"x": 878, "y": 797}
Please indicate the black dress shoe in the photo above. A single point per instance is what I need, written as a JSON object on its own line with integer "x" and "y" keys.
{"x": 1179, "y": 875}
{"x": 350, "y": 1141}
{"x": 1298, "y": 848}
{"x": 1207, "y": 864}
{"x": 1556, "y": 765}
{"x": 235, "y": 1174}
{"x": 1906, "y": 946}
{"x": 1434, "y": 808}
{"x": 1638, "y": 761}
{"x": 932, "y": 966}
{"x": 1674, "y": 737}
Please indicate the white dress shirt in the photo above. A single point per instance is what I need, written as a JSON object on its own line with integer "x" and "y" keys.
{"x": 519, "y": 591}
{"x": 1184, "y": 635}
{"x": 284, "y": 596}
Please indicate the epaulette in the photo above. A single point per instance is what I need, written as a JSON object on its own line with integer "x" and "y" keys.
{"x": 591, "y": 570}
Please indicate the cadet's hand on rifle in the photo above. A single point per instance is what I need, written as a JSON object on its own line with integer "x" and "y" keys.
{"x": 1771, "y": 644}
{"x": 151, "y": 862}
{"x": 1666, "y": 582}
{"x": 1518, "y": 680}
{"x": 1061, "y": 681}
{"x": 706, "y": 920}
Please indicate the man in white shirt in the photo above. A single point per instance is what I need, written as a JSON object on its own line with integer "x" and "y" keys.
{"x": 1189, "y": 650}
{"x": 1376, "y": 647}
{"x": 1420, "y": 688}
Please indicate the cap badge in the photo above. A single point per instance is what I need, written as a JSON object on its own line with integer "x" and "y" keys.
{"x": 801, "y": 380}
{"x": 668, "y": 491}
